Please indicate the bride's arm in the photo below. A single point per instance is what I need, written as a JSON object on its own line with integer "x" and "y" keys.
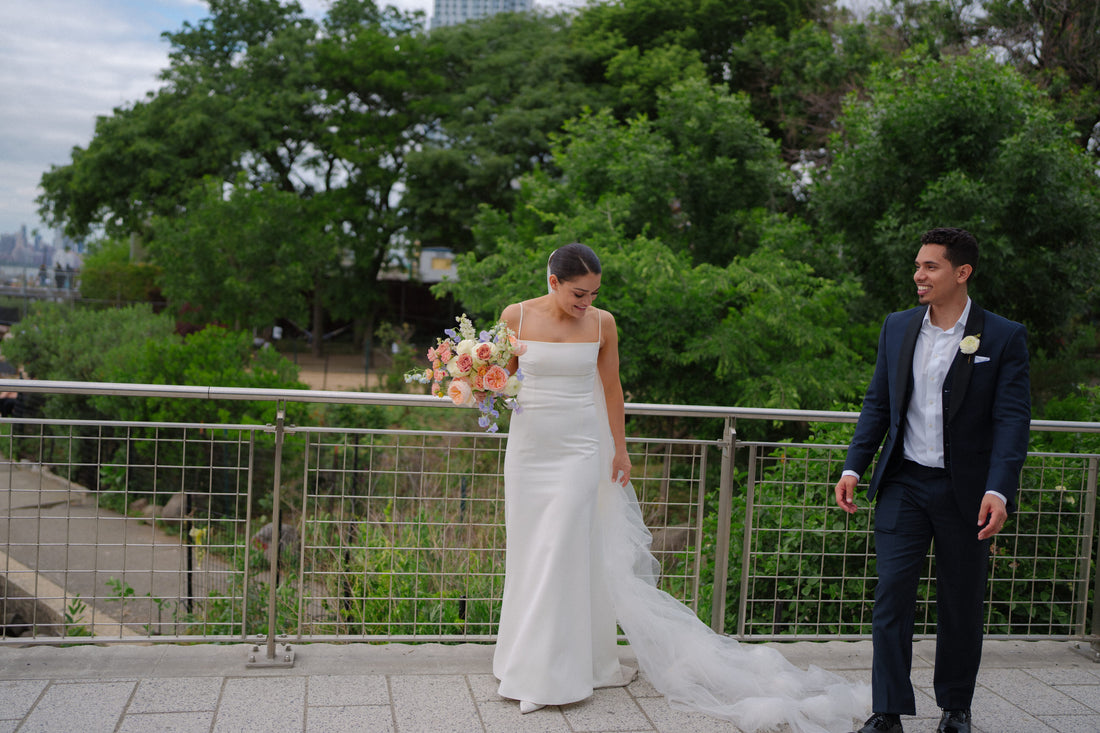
{"x": 608, "y": 365}
{"x": 510, "y": 315}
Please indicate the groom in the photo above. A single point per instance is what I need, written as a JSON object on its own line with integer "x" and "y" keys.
{"x": 950, "y": 396}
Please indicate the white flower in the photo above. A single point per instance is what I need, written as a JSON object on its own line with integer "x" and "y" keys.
{"x": 970, "y": 344}
{"x": 465, "y": 346}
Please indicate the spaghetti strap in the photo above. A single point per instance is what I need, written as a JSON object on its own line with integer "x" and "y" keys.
{"x": 520, "y": 330}
{"x": 599, "y": 333}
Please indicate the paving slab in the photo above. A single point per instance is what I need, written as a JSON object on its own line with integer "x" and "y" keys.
{"x": 421, "y": 688}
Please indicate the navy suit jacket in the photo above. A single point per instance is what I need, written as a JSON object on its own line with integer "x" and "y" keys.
{"x": 986, "y": 407}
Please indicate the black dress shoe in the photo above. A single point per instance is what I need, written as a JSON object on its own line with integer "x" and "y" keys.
{"x": 954, "y": 721}
{"x": 882, "y": 723}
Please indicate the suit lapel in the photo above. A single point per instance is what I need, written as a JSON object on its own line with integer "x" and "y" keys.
{"x": 958, "y": 376}
{"x": 903, "y": 380}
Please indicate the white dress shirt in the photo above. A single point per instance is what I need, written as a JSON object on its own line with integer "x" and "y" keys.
{"x": 932, "y": 357}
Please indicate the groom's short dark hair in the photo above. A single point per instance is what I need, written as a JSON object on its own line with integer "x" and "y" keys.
{"x": 960, "y": 245}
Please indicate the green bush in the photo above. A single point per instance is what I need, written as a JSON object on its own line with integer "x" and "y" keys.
{"x": 109, "y": 275}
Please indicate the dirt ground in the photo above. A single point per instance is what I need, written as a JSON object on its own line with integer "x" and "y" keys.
{"x": 339, "y": 372}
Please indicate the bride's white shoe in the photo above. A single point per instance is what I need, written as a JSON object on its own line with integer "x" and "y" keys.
{"x": 525, "y": 706}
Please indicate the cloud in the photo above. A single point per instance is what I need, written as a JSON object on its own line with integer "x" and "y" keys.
{"x": 62, "y": 64}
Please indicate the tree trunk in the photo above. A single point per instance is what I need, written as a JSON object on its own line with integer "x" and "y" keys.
{"x": 318, "y": 326}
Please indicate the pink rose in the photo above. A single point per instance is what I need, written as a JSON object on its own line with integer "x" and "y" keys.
{"x": 444, "y": 352}
{"x": 465, "y": 363}
{"x": 484, "y": 351}
{"x": 460, "y": 392}
{"x": 496, "y": 378}
{"x": 520, "y": 350}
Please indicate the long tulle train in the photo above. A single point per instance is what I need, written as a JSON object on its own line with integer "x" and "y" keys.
{"x": 753, "y": 686}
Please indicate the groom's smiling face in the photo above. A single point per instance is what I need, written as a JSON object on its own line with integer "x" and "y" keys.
{"x": 938, "y": 281}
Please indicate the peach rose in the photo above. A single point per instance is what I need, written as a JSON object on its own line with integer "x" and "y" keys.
{"x": 460, "y": 392}
{"x": 496, "y": 378}
{"x": 461, "y": 365}
{"x": 485, "y": 351}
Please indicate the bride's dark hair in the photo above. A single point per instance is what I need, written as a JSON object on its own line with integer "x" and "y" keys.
{"x": 572, "y": 261}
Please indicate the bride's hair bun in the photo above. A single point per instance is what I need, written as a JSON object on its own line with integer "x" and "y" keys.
{"x": 572, "y": 261}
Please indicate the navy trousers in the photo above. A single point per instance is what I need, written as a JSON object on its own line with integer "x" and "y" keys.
{"x": 916, "y": 508}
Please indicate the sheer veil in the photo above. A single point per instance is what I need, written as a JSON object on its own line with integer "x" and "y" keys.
{"x": 754, "y": 686}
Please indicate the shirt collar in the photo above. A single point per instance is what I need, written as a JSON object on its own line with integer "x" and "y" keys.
{"x": 927, "y": 323}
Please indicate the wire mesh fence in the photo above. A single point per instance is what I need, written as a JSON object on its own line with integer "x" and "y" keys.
{"x": 132, "y": 531}
{"x": 158, "y": 531}
{"x": 808, "y": 570}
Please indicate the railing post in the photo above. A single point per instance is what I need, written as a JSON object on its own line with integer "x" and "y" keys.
{"x": 1090, "y": 493}
{"x": 746, "y": 543}
{"x": 722, "y": 539}
{"x": 284, "y": 658}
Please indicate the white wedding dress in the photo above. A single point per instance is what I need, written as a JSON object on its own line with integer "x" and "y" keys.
{"x": 578, "y": 559}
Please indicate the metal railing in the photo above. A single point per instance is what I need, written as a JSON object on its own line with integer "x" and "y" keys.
{"x": 155, "y": 531}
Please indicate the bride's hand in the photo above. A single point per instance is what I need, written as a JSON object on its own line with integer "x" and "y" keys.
{"x": 620, "y": 469}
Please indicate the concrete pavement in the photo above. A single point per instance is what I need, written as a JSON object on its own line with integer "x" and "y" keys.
{"x": 1024, "y": 687}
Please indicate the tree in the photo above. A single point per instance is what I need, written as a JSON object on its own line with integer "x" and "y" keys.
{"x": 244, "y": 258}
{"x": 265, "y": 101}
{"x": 965, "y": 141}
{"x": 1057, "y": 43}
{"x": 711, "y": 28}
{"x": 698, "y": 316}
{"x": 509, "y": 82}
{"x": 213, "y": 117}
{"x": 108, "y": 275}
{"x": 798, "y": 83}
{"x": 690, "y": 177}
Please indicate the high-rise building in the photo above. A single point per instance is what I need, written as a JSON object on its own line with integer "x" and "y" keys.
{"x": 452, "y": 12}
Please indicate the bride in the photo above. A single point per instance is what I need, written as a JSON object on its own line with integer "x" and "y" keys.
{"x": 577, "y": 551}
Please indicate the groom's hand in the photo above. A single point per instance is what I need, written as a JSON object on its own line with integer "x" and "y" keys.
{"x": 993, "y": 510}
{"x": 845, "y": 493}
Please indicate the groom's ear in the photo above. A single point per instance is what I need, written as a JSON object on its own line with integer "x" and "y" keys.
{"x": 963, "y": 273}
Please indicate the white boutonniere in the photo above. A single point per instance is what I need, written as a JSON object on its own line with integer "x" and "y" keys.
{"x": 969, "y": 345}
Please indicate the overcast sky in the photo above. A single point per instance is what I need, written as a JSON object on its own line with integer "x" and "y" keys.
{"x": 65, "y": 62}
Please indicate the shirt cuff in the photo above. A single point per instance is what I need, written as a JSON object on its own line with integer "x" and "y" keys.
{"x": 849, "y": 472}
{"x": 999, "y": 495}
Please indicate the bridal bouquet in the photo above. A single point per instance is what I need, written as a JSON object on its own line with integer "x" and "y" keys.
{"x": 469, "y": 367}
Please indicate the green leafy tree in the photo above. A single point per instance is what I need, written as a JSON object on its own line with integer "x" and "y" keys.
{"x": 243, "y": 259}
{"x": 107, "y": 274}
{"x": 965, "y": 141}
{"x": 509, "y": 82}
{"x": 798, "y": 82}
{"x": 690, "y": 178}
{"x": 710, "y": 28}
{"x": 697, "y": 320}
{"x": 270, "y": 103}
{"x": 208, "y": 120}
{"x": 1056, "y": 43}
